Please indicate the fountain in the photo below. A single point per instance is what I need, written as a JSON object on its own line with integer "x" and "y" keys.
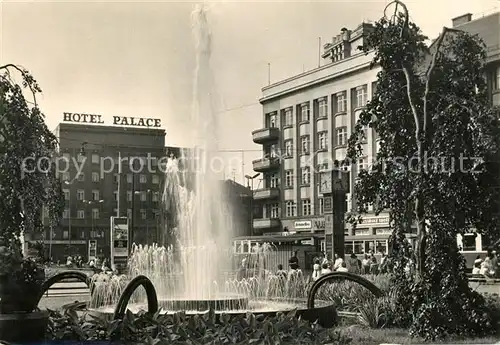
{"x": 197, "y": 272}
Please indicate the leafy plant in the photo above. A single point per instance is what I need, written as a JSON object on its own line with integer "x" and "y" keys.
{"x": 200, "y": 329}
{"x": 437, "y": 167}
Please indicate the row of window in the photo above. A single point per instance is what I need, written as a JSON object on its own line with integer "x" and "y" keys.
{"x": 96, "y": 159}
{"x": 341, "y": 138}
{"x": 339, "y": 100}
{"x": 96, "y": 177}
{"x": 95, "y": 214}
{"x": 274, "y": 210}
{"x": 80, "y": 195}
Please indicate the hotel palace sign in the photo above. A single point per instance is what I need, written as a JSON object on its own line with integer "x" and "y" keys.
{"x": 117, "y": 120}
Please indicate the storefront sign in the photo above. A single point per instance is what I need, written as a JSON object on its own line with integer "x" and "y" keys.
{"x": 117, "y": 120}
{"x": 383, "y": 231}
{"x": 328, "y": 224}
{"x": 119, "y": 242}
{"x": 308, "y": 242}
{"x": 327, "y": 204}
{"x": 302, "y": 224}
{"x": 362, "y": 232}
{"x": 92, "y": 249}
{"x": 376, "y": 220}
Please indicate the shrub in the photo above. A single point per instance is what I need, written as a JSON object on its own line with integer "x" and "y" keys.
{"x": 198, "y": 329}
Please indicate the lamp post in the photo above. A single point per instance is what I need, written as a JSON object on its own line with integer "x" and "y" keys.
{"x": 138, "y": 192}
{"x": 69, "y": 215}
{"x": 250, "y": 186}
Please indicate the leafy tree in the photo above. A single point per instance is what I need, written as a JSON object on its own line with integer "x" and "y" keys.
{"x": 437, "y": 167}
{"x": 27, "y": 178}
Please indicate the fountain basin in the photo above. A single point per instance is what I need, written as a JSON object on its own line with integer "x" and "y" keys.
{"x": 222, "y": 302}
{"x": 324, "y": 312}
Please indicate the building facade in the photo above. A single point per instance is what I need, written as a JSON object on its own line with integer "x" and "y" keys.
{"x": 96, "y": 187}
{"x": 307, "y": 121}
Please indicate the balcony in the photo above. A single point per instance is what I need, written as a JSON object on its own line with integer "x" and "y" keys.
{"x": 266, "y": 193}
{"x": 266, "y": 223}
{"x": 264, "y": 135}
{"x": 265, "y": 164}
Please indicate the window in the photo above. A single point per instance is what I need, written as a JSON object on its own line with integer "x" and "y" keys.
{"x": 66, "y": 194}
{"x": 65, "y": 176}
{"x": 306, "y": 207}
{"x": 95, "y": 195}
{"x": 289, "y": 148}
{"x": 129, "y": 195}
{"x": 80, "y": 158}
{"x": 274, "y": 211}
{"x": 322, "y": 107}
{"x": 115, "y": 194}
{"x": 323, "y": 166}
{"x": 321, "y": 206}
{"x": 306, "y": 176}
{"x": 359, "y": 247}
{"x": 341, "y": 102}
{"x": 362, "y": 164}
{"x": 322, "y": 140}
{"x": 341, "y": 136}
{"x": 143, "y": 196}
{"x": 95, "y": 177}
{"x": 81, "y": 177}
{"x": 80, "y": 194}
{"x": 290, "y": 208}
{"x": 377, "y": 146}
{"x": 95, "y": 158}
{"x": 289, "y": 178}
{"x": 95, "y": 213}
{"x": 364, "y": 134}
{"x": 116, "y": 178}
{"x": 304, "y": 112}
{"x": 80, "y": 214}
{"x": 115, "y": 212}
{"x": 156, "y": 212}
{"x": 361, "y": 96}
{"x": 129, "y": 178}
{"x": 288, "y": 117}
{"x": 65, "y": 234}
{"x": 272, "y": 151}
{"x": 156, "y": 179}
{"x": 322, "y": 246}
{"x": 156, "y": 196}
{"x": 274, "y": 181}
{"x": 66, "y": 213}
{"x": 304, "y": 144}
{"x": 143, "y": 178}
{"x": 144, "y": 214}
{"x": 129, "y": 213}
{"x": 468, "y": 242}
{"x": 381, "y": 247}
{"x": 273, "y": 120}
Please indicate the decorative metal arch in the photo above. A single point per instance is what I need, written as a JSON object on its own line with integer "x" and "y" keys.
{"x": 341, "y": 276}
{"x": 60, "y": 277}
{"x": 121, "y": 307}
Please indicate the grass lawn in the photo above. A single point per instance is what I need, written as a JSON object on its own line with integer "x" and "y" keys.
{"x": 366, "y": 336}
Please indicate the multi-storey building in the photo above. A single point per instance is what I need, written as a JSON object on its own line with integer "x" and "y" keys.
{"x": 97, "y": 187}
{"x": 488, "y": 28}
{"x": 307, "y": 121}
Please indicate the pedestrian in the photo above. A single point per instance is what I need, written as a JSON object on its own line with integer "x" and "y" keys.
{"x": 316, "y": 270}
{"x": 293, "y": 262}
{"x": 354, "y": 265}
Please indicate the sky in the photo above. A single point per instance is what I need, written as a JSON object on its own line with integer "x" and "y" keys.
{"x": 124, "y": 58}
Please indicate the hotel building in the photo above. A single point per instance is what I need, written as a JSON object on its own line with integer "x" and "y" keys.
{"x": 307, "y": 121}
{"x": 101, "y": 190}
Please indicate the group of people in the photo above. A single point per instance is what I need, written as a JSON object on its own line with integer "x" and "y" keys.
{"x": 488, "y": 267}
{"x": 369, "y": 265}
